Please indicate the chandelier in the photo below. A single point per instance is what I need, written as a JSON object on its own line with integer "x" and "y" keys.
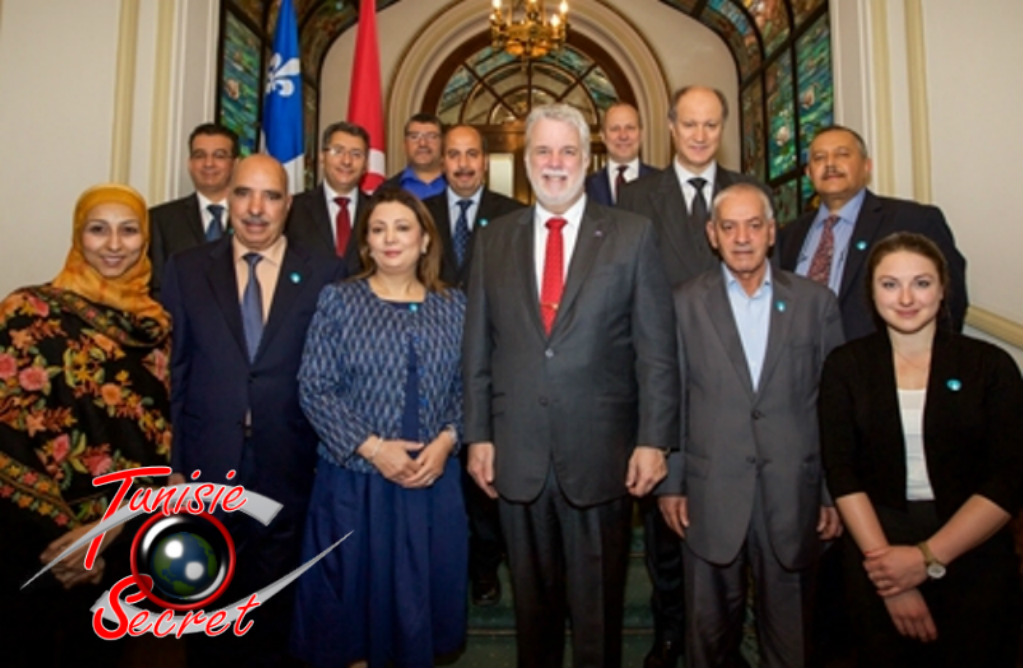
{"x": 534, "y": 34}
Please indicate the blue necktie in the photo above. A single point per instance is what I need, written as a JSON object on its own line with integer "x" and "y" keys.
{"x": 216, "y": 228}
{"x": 461, "y": 240}
{"x": 252, "y": 307}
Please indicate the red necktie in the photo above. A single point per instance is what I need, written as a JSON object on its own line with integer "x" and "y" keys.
{"x": 620, "y": 180}
{"x": 820, "y": 265}
{"x": 553, "y": 273}
{"x": 343, "y": 226}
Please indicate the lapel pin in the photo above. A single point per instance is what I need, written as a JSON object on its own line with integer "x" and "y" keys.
{"x": 295, "y": 277}
{"x": 482, "y": 222}
{"x": 861, "y": 245}
{"x": 780, "y": 305}
{"x": 413, "y": 307}
{"x": 598, "y": 234}
{"x": 954, "y": 384}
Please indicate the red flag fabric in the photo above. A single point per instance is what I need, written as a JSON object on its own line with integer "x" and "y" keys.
{"x": 364, "y": 101}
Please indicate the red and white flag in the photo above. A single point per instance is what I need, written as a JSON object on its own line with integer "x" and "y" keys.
{"x": 364, "y": 101}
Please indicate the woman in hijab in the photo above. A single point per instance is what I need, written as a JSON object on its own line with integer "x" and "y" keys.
{"x": 83, "y": 392}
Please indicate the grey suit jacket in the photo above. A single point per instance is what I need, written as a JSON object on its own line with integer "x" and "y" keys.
{"x": 174, "y": 226}
{"x": 605, "y": 379}
{"x": 734, "y": 434}
{"x": 310, "y": 226}
{"x": 684, "y": 247}
{"x": 492, "y": 206}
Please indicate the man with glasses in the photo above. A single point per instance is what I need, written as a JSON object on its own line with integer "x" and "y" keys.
{"x": 423, "y": 175}
{"x": 201, "y": 216}
{"x": 323, "y": 219}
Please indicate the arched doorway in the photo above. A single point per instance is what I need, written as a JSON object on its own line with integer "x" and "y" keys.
{"x": 494, "y": 92}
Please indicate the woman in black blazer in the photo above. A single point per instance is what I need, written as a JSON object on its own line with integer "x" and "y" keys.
{"x": 922, "y": 439}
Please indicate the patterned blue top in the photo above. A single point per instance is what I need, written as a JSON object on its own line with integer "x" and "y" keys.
{"x": 354, "y": 370}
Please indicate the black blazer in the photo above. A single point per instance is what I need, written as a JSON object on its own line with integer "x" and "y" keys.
{"x": 309, "y": 225}
{"x": 492, "y": 206}
{"x": 879, "y": 217}
{"x": 599, "y": 186}
{"x": 973, "y": 421}
{"x": 685, "y": 251}
{"x": 173, "y": 227}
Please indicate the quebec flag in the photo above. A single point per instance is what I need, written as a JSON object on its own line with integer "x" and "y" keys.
{"x": 282, "y": 102}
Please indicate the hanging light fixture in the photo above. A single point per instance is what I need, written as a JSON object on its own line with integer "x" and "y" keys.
{"x": 534, "y": 34}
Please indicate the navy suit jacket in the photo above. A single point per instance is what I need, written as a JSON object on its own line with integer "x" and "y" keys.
{"x": 599, "y": 186}
{"x": 309, "y": 225}
{"x": 214, "y": 386}
{"x": 173, "y": 227}
{"x": 879, "y": 217}
{"x": 492, "y": 206}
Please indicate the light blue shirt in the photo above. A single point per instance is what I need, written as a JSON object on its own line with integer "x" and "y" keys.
{"x": 843, "y": 230}
{"x": 752, "y": 318}
{"x": 454, "y": 211}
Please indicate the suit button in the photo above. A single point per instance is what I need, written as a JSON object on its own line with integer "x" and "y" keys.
{"x": 548, "y": 353}
{"x": 756, "y": 415}
{"x": 543, "y": 401}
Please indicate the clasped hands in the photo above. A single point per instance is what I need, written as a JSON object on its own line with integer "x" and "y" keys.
{"x": 70, "y": 571}
{"x": 897, "y": 571}
{"x": 394, "y": 461}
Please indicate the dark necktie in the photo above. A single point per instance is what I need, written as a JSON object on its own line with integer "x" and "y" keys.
{"x": 820, "y": 265}
{"x": 620, "y": 180}
{"x": 342, "y": 226}
{"x": 553, "y": 273}
{"x": 252, "y": 307}
{"x": 216, "y": 226}
{"x": 461, "y": 237}
{"x": 699, "y": 212}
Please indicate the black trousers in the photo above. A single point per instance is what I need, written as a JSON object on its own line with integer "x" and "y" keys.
{"x": 567, "y": 562}
{"x": 667, "y": 577}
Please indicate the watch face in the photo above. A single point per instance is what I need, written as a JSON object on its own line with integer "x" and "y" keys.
{"x": 935, "y": 571}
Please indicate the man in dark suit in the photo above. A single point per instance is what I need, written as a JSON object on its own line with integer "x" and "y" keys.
{"x": 323, "y": 219}
{"x": 571, "y": 387}
{"x": 241, "y": 307}
{"x": 831, "y": 244}
{"x": 465, "y": 207}
{"x": 621, "y": 134}
{"x": 201, "y": 216}
{"x": 746, "y": 489}
{"x": 423, "y": 174}
{"x": 677, "y": 201}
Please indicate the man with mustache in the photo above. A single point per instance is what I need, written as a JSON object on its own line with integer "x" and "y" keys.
{"x": 465, "y": 208}
{"x": 323, "y": 219}
{"x": 423, "y": 175}
{"x": 241, "y": 307}
{"x": 571, "y": 393}
{"x": 831, "y": 244}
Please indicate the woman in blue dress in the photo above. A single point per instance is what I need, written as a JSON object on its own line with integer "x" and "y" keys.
{"x": 380, "y": 381}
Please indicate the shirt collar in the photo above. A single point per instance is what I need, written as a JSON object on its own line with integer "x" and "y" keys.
{"x": 454, "y": 198}
{"x": 274, "y": 255}
{"x": 683, "y": 174}
{"x": 732, "y": 283}
{"x": 573, "y": 215}
{"x": 847, "y": 214}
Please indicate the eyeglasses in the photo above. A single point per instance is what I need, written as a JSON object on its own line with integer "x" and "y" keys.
{"x": 338, "y": 151}
{"x": 216, "y": 155}
{"x": 428, "y": 136}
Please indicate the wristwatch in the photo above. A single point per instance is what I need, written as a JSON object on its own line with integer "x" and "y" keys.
{"x": 935, "y": 569}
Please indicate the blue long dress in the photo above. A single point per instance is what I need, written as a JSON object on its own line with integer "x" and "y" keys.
{"x": 394, "y": 593}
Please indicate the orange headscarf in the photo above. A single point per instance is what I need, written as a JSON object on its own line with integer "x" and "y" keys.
{"x": 128, "y": 292}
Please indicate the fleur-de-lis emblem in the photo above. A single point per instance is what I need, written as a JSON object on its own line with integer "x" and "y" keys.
{"x": 281, "y": 76}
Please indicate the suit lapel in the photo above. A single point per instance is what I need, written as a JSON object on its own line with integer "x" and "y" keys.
{"x": 292, "y": 279}
{"x": 864, "y": 231}
{"x": 194, "y": 219}
{"x": 320, "y": 215}
{"x": 521, "y": 268}
{"x": 670, "y": 205}
{"x": 778, "y": 330}
{"x": 592, "y": 230}
{"x": 719, "y": 309}
{"x": 224, "y": 285}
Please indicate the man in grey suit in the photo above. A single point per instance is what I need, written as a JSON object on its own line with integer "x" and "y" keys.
{"x": 201, "y": 216}
{"x": 676, "y": 200}
{"x": 571, "y": 388}
{"x": 323, "y": 219}
{"x": 746, "y": 489}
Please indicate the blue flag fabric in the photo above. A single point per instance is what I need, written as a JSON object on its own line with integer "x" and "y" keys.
{"x": 282, "y": 103}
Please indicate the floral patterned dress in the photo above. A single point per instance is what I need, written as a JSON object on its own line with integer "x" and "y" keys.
{"x": 84, "y": 390}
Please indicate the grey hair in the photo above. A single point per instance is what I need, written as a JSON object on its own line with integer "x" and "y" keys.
{"x": 855, "y": 135}
{"x": 564, "y": 113}
{"x": 738, "y": 189}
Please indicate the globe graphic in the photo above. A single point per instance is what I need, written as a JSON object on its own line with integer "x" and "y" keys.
{"x": 183, "y": 564}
